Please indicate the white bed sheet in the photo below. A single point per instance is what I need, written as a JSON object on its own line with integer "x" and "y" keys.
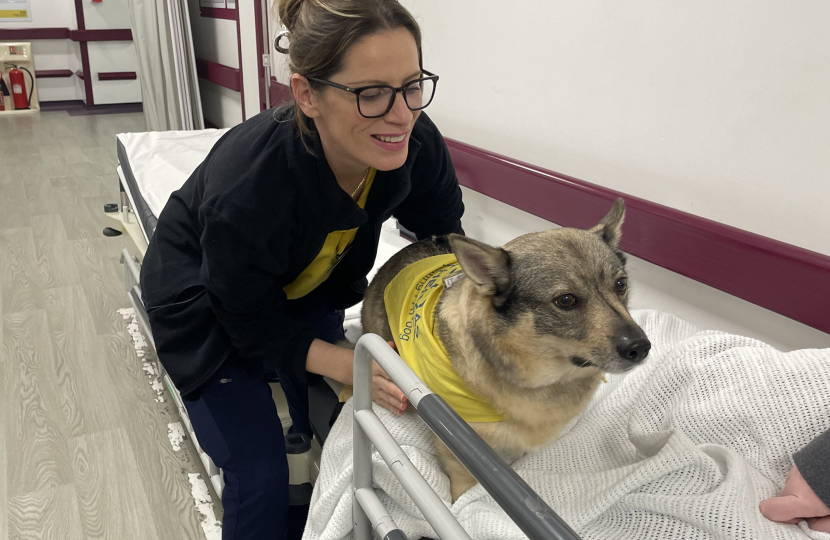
{"x": 161, "y": 161}
{"x": 683, "y": 447}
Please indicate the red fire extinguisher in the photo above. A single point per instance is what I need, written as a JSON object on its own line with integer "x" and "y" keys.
{"x": 19, "y": 88}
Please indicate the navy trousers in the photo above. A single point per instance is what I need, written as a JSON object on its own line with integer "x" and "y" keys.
{"x": 237, "y": 424}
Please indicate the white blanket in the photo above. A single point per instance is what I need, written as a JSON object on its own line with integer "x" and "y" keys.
{"x": 685, "y": 446}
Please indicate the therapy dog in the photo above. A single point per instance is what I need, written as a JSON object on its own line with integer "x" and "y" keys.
{"x": 515, "y": 339}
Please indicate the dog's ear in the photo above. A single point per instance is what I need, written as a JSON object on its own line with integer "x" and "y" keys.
{"x": 488, "y": 267}
{"x": 609, "y": 229}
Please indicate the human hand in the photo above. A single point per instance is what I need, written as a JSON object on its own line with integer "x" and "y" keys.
{"x": 797, "y": 501}
{"x": 385, "y": 392}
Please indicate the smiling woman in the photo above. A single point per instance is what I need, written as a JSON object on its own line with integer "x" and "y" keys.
{"x": 359, "y": 47}
{"x": 255, "y": 258}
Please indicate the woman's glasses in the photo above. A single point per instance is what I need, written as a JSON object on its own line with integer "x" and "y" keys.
{"x": 377, "y": 100}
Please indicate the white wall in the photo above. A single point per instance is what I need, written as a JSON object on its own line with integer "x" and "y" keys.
{"x": 58, "y": 54}
{"x": 221, "y": 107}
{"x": 106, "y": 15}
{"x": 113, "y": 56}
{"x": 54, "y": 54}
{"x": 718, "y": 108}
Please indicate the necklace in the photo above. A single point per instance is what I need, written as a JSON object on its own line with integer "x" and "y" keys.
{"x": 360, "y": 185}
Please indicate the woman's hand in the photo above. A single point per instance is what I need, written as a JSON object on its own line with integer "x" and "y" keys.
{"x": 797, "y": 501}
{"x": 384, "y": 392}
{"x": 336, "y": 363}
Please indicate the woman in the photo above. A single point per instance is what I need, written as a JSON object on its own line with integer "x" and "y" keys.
{"x": 254, "y": 259}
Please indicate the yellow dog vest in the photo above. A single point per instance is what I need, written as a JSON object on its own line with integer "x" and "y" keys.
{"x": 411, "y": 299}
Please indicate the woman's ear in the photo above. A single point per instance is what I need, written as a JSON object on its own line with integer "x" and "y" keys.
{"x": 303, "y": 95}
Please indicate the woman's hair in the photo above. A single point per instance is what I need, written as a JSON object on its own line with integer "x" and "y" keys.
{"x": 322, "y": 31}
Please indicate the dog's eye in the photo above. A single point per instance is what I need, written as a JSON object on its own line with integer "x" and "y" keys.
{"x": 621, "y": 285}
{"x": 566, "y": 301}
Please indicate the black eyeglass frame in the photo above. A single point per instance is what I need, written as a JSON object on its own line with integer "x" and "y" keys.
{"x": 357, "y": 91}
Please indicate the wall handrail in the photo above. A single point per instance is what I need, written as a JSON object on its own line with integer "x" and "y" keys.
{"x": 523, "y": 505}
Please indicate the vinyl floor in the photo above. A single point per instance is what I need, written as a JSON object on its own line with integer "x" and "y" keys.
{"x": 84, "y": 451}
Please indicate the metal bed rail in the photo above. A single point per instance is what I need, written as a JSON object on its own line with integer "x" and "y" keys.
{"x": 132, "y": 284}
{"x": 523, "y": 505}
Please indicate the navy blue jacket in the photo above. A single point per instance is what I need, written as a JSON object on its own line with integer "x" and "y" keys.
{"x": 246, "y": 223}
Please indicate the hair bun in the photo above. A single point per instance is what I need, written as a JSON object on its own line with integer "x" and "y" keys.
{"x": 288, "y": 11}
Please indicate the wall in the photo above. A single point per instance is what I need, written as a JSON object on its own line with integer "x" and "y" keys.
{"x": 54, "y": 54}
{"x": 719, "y": 109}
{"x": 111, "y": 56}
{"x": 104, "y": 56}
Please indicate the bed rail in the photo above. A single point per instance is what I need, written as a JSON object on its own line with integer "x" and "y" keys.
{"x": 524, "y": 506}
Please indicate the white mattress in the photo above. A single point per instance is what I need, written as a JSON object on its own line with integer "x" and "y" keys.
{"x": 161, "y": 161}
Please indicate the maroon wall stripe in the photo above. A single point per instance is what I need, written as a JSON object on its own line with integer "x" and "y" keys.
{"x": 52, "y": 73}
{"x": 90, "y": 100}
{"x": 783, "y": 278}
{"x": 241, "y": 78}
{"x": 26, "y": 34}
{"x": 101, "y": 35}
{"x": 117, "y": 75}
{"x": 79, "y": 14}
{"x": 228, "y": 77}
{"x": 219, "y": 13}
{"x": 259, "y": 54}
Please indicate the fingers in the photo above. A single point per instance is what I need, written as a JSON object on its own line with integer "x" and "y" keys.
{"x": 389, "y": 403}
{"x": 782, "y": 508}
{"x": 385, "y": 392}
{"x": 389, "y": 396}
{"x": 792, "y": 507}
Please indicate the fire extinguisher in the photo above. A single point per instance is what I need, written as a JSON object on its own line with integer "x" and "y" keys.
{"x": 19, "y": 88}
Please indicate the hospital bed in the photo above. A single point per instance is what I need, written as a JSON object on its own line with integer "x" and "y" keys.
{"x": 689, "y": 442}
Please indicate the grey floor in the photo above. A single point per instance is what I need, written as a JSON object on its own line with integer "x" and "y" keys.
{"x": 84, "y": 451}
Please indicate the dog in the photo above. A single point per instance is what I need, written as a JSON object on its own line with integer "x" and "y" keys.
{"x": 529, "y": 329}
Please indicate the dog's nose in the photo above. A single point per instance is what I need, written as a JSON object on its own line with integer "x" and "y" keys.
{"x": 634, "y": 350}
